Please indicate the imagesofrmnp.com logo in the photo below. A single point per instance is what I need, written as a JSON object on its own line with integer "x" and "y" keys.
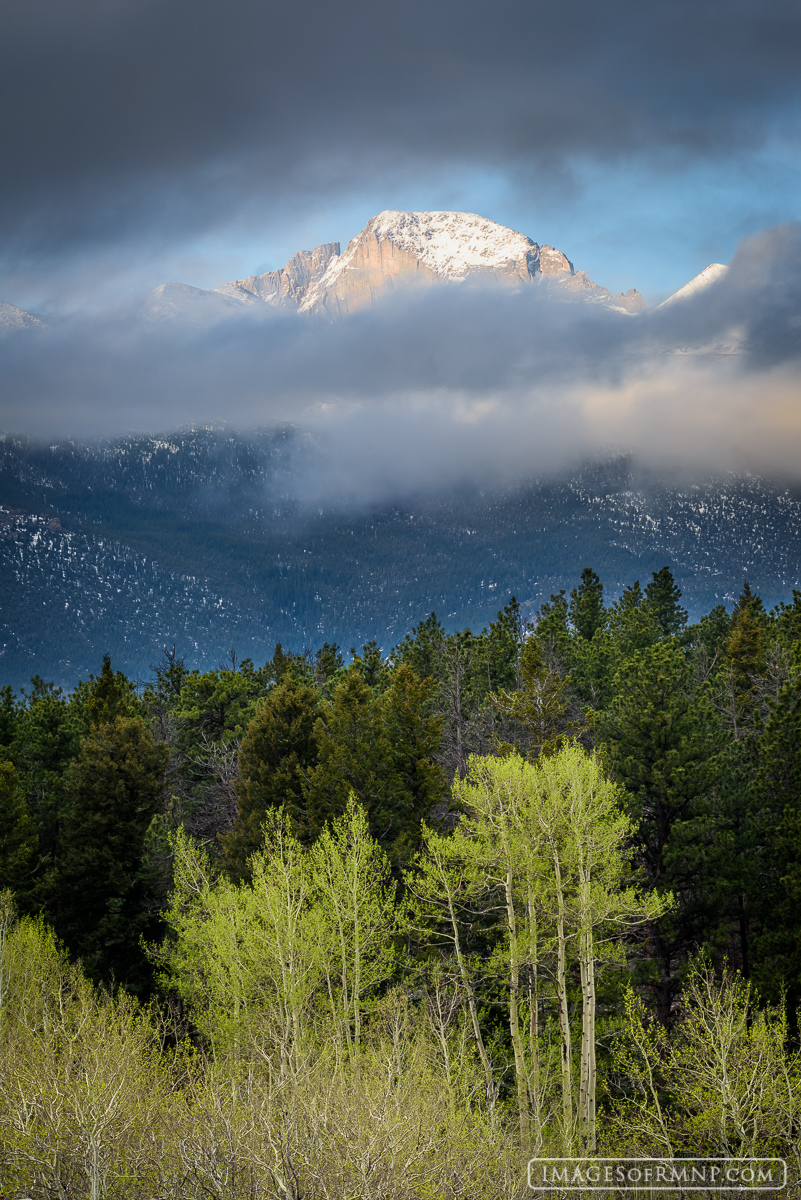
{"x": 657, "y": 1174}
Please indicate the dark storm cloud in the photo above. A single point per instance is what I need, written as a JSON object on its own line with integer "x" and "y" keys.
{"x": 161, "y": 115}
{"x": 437, "y": 384}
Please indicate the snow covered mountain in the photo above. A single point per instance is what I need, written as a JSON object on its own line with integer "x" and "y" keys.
{"x": 12, "y": 318}
{"x": 399, "y": 249}
{"x": 171, "y": 301}
{"x": 699, "y": 283}
{"x": 394, "y": 250}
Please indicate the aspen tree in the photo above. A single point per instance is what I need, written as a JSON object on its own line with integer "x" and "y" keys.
{"x": 551, "y": 844}
{"x": 445, "y": 887}
{"x": 354, "y": 888}
{"x": 588, "y": 835}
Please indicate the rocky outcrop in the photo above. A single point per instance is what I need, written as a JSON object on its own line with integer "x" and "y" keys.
{"x": 631, "y": 301}
{"x": 290, "y": 285}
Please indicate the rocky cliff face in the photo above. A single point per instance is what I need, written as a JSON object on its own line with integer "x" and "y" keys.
{"x": 290, "y": 285}
{"x": 401, "y": 249}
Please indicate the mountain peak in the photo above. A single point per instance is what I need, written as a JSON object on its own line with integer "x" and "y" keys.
{"x": 288, "y": 286}
{"x": 14, "y": 318}
{"x": 455, "y": 243}
{"x": 397, "y": 249}
{"x": 703, "y": 279}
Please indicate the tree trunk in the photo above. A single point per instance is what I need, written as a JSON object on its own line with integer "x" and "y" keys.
{"x": 473, "y": 1008}
{"x": 514, "y": 1012}
{"x": 535, "y": 1098}
{"x": 564, "y": 1015}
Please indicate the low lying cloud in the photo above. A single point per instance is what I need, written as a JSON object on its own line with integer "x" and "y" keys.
{"x": 440, "y": 385}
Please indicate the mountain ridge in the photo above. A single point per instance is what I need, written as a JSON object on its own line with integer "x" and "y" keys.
{"x": 399, "y": 248}
{"x": 201, "y": 538}
{"x": 396, "y": 249}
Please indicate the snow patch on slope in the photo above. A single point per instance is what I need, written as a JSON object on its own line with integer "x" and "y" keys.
{"x": 709, "y": 275}
{"x": 12, "y": 317}
{"x": 179, "y": 301}
{"x": 451, "y": 243}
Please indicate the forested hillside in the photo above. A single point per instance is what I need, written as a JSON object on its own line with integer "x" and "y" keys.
{"x": 353, "y": 922}
{"x": 208, "y": 540}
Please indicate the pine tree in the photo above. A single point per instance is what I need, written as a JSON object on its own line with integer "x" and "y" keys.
{"x": 776, "y": 815}
{"x": 496, "y": 652}
{"x": 116, "y": 786}
{"x": 351, "y": 755}
{"x": 108, "y": 696}
{"x": 658, "y": 737}
{"x": 412, "y": 738}
{"x": 327, "y": 661}
{"x": 370, "y": 665}
{"x": 47, "y": 734}
{"x": 9, "y": 716}
{"x": 277, "y": 752}
{"x": 17, "y": 837}
{"x": 539, "y": 709}
{"x": 743, "y": 664}
{"x": 382, "y": 750}
{"x": 663, "y": 595}
{"x": 217, "y": 706}
{"x": 551, "y": 627}
{"x": 788, "y": 620}
{"x": 423, "y": 648}
{"x": 587, "y": 612}
{"x": 708, "y": 639}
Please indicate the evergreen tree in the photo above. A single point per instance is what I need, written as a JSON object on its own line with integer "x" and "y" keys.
{"x": 412, "y": 739}
{"x": 47, "y": 737}
{"x": 277, "y": 752}
{"x": 663, "y": 596}
{"x": 788, "y": 621}
{"x": 422, "y": 649}
{"x": 587, "y": 612}
{"x": 116, "y": 786}
{"x": 630, "y": 628}
{"x": 658, "y": 737}
{"x": 708, "y": 639}
{"x": 350, "y": 753}
{"x": 551, "y": 627}
{"x": 301, "y": 665}
{"x": 370, "y": 665}
{"x": 170, "y": 672}
{"x": 17, "y": 837}
{"x": 743, "y": 665}
{"x": 496, "y": 652}
{"x": 217, "y": 706}
{"x": 776, "y": 815}
{"x": 539, "y": 709}
{"x": 327, "y": 662}
{"x": 630, "y": 598}
{"x": 9, "y": 715}
{"x": 108, "y": 696}
{"x": 381, "y": 749}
